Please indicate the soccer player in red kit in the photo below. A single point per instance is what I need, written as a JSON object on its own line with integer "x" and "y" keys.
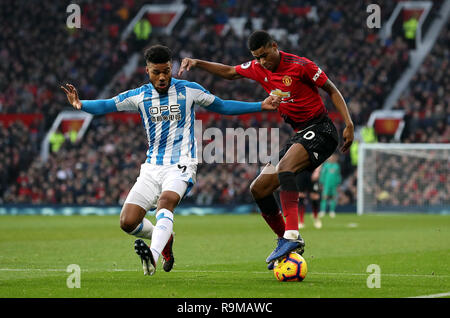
{"x": 295, "y": 79}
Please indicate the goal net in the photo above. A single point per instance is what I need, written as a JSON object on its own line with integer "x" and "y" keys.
{"x": 403, "y": 178}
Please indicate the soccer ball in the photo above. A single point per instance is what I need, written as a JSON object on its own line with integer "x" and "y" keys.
{"x": 292, "y": 268}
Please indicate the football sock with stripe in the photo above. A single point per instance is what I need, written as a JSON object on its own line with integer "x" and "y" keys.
{"x": 144, "y": 229}
{"x": 289, "y": 203}
{"x": 271, "y": 214}
{"x": 161, "y": 233}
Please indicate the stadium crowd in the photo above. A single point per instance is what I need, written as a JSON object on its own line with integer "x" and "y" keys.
{"x": 427, "y": 101}
{"x": 49, "y": 53}
{"x": 420, "y": 179}
{"x": 15, "y": 159}
{"x": 101, "y": 168}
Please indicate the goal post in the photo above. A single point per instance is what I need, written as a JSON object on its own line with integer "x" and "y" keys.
{"x": 403, "y": 178}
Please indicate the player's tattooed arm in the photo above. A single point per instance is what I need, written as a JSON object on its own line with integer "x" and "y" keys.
{"x": 341, "y": 106}
{"x": 222, "y": 70}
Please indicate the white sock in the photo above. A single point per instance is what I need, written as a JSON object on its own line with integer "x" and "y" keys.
{"x": 144, "y": 229}
{"x": 161, "y": 233}
{"x": 291, "y": 234}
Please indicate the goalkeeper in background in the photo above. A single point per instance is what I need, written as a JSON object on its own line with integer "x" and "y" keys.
{"x": 330, "y": 178}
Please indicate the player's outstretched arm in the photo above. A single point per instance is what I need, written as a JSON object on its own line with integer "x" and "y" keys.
{"x": 72, "y": 95}
{"x": 96, "y": 107}
{"x": 271, "y": 103}
{"x": 222, "y": 70}
{"x": 341, "y": 106}
{"x": 234, "y": 107}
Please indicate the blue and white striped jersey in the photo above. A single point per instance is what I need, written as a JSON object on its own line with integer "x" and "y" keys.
{"x": 168, "y": 119}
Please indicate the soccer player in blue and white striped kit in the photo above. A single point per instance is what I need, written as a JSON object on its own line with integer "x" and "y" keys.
{"x": 166, "y": 106}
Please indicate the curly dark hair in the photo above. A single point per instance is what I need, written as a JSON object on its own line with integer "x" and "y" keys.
{"x": 259, "y": 39}
{"x": 158, "y": 54}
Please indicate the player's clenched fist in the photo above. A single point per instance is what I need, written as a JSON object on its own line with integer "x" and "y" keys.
{"x": 271, "y": 103}
{"x": 347, "y": 135}
{"x": 72, "y": 95}
{"x": 186, "y": 65}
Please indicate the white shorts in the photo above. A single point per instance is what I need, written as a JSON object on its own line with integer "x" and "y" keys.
{"x": 155, "y": 179}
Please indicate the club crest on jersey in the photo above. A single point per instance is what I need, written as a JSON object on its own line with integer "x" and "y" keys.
{"x": 287, "y": 80}
{"x": 280, "y": 93}
{"x": 246, "y": 64}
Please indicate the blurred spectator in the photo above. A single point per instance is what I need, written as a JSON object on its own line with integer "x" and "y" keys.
{"x": 142, "y": 31}
{"x": 56, "y": 140}
{"x": 410, "y": 30}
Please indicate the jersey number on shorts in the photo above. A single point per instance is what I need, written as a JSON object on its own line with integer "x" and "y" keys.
{"x": 309, "y": 135}
{"x": 183, "y": 168}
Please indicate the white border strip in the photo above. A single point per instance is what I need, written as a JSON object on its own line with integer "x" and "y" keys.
{"x": 403, "y": 146}
{"x": 433, "y": 296}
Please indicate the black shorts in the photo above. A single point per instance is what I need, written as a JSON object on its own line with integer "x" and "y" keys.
{"x": 320, "y": 141}
{"x": 305, "y": 183}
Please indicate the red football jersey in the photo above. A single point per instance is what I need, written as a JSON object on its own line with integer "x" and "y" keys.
{"x": 296, "y": 80}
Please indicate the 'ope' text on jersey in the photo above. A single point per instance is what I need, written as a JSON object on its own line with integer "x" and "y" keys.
{"x": 157, "y": 115}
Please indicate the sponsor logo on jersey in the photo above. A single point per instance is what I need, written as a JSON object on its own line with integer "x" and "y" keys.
{"x": 280, "y": 93}
{"x": 246, "y": 64}
{"x": 156, "y": 112}
{"x": 287, "y": 80}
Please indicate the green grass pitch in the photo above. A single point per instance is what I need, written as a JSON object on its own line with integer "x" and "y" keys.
{"x": 223, "y": 256}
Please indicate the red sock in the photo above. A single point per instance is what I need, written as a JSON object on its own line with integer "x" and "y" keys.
{"x": 276, "y": 223}
{"x": 301, "y": 212}
{"x": 289, "y": 204}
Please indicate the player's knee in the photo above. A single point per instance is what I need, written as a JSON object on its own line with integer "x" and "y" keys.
{"x": 254, "y": 189}
{"x": 127, "y": 224}
{"x": 168, "y": 202}
{"x": 259, "y": 189}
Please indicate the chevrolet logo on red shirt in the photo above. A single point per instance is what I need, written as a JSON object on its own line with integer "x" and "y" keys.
{"x": 280, "y": 93}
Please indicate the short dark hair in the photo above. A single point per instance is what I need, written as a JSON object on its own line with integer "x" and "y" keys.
{"x": 158, "y": 54}
{"x": 259, "y": 39}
